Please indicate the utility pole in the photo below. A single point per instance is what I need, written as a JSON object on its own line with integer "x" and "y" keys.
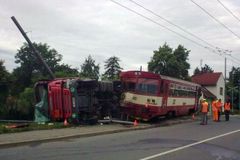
{"x": 38, "y": 55}
{"x": 225, "y": 77}
{"x": 239, "y": 95}
{"x": 232, "y": 100}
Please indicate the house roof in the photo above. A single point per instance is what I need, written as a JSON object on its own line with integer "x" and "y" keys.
{"x": 207, "y": 93}
{"x": 206, "y": 79}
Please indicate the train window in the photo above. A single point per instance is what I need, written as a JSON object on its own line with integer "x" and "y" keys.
{"x": 191, "y": 94}
{"x": 181, "y": 93}
{"x": 129, "y": 86}
{"x": 147, "y": 88}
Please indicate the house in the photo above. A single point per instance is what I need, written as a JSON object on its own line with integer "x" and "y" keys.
{"x": 212, "y": 83}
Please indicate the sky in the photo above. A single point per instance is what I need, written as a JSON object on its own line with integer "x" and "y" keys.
{"x": 101, "y": 28}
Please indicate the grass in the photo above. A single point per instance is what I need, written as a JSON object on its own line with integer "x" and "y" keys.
{"x": 32, "y": 126}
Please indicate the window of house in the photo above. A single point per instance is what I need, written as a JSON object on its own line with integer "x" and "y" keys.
{"x": 221, "y": 90}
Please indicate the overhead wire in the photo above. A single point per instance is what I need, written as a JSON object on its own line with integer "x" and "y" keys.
{"x": 167, "y": 28}
{"x": 204, "y": 10}
{"x": 179, "y": 27}
{"x": 213, "y": 48}
{"x": 227, "y": 9}
{"x": 168, "y": 21}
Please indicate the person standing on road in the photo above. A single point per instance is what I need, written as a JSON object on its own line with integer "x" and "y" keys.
{"x": 215, "y": 110}
{"x": 227, "y": 107}
{"x": 204, "y": 110}
{"x": 219, "y": 107}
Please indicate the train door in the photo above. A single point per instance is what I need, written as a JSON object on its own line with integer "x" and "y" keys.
{"x": 165, "y": 86}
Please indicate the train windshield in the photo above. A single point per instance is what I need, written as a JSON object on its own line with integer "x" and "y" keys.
{"x": 147, "y": 86}
{"x": 129, "y": 84}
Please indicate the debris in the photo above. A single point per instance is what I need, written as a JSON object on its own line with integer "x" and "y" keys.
{"x": 22, "y": 125}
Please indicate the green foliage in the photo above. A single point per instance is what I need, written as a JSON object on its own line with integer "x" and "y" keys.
{"x": 165, "y": 61}
{"x": 89, "y": 69}
{"x": 19, "y": 107}
{"x": 112, "y": 68}
{"x": 196, "y": 71}
{"x": 234, "y": 76}
{"x": 233, "y": 84}
{"x": 64, "y": 70}
{"x": 4, "y": 85}
{"x": 31, "y": 69}
{"x": 8, "y": 110}
{"x": 4, "y": 75}
{"x": 205, "y": 69}
{"x": 25, "y": 104}
{"x": 26, "y": 58}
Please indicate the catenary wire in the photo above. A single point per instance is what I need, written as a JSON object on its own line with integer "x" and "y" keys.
{"x": 225, "y": 7}
{"x": 145, "y": 17}
{"x": 204, "y": 10}
{"x": 168, "y": 21}
{"x": 181, "y": 28}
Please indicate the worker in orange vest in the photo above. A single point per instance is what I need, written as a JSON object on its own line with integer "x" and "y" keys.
{"x": 227, "y": 107}
{"x": 219, "y": 107}
{"x": 204, "y": 110}
{"x": 215, "y": 110}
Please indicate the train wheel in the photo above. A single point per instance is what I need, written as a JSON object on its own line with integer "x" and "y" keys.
{"x": 171, "y": 114}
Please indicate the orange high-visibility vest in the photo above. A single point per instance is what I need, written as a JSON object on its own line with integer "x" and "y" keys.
{"x": 204, "y": 107}
{"x": 214, "y": 106}
{"x": 227, "y": 106}
{"x": 219, "y": 106}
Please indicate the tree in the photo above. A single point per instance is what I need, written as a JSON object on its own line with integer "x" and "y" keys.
{"x": 234, "y": 76}
{"x": 25, "y": 104}
{"x": 233, "y": 84}
{"x": 112, "y": 68}
{"x": 30, "y": 68}
{"x": 181, "y": 55}
{"x": 205, "y": 69}
{"x": 165, "y": 61}
{"x": 4, "y": 75}
{"x": 25, "y": 57}
{"x": 4, "y": 85}
{"x": 65, "y": 70}
{"x": 196, "y": 71}
{"x": 89, "y": 69}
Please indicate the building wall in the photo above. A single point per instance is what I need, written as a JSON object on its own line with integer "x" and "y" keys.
{"x": 216, "y": 89}
{"x": 220, "y": 83}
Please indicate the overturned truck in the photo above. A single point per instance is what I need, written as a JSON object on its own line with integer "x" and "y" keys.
{"x": 76, "y": 100}
{"x": 72, "y": 99}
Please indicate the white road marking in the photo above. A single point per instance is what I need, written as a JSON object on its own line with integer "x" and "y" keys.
{"x": 189, "y": 145}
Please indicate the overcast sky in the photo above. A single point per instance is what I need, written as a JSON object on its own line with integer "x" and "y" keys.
{"x": 77, "y": 28}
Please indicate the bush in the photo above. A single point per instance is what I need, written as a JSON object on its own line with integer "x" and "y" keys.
{"x": 25, "y": 104}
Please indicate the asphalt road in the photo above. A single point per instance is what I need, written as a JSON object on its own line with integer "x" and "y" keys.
{"x": 189, "y": 141}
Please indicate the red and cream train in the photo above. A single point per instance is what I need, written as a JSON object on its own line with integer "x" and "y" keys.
{"x": 147, "y": 95}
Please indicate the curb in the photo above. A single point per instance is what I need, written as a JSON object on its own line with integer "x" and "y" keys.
{"x": 164, "y": 124}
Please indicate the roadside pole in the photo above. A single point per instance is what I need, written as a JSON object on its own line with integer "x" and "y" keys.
{"x": 238, "y": 97}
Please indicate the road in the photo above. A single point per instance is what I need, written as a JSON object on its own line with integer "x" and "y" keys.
{"x": 215, "y": 141}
